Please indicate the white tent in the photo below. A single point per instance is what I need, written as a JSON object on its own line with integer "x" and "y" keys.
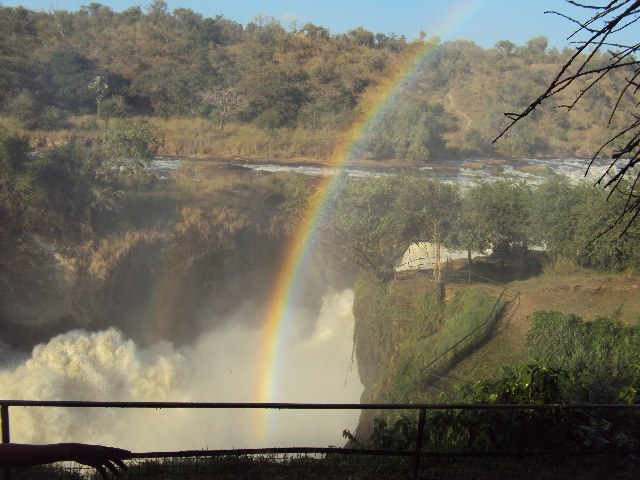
{"x": 422, "y": 256}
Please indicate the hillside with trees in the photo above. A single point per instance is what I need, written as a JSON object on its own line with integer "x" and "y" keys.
{"x": 215, "y": 87}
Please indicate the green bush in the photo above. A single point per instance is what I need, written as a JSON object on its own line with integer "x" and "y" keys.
{"x": 601, "y": 357}
{"x": 574, "y": 362}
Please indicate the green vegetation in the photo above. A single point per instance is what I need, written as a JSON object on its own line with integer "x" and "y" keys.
{"x": 601, "y": 357}
{"x": 603, "y": 26}
{"x": 372, "y": 221}
{"x": 46, "y": 192}
{"x": 263, "y": 89}
{"x": 384, "y": 314}
{"x": 573, "y": 362}
{"x": 405, "y": 332}
{"x": 569, "y": 220}
{"x": 499, "y": 211}
{"x": 131, "y": 146}
{"x": 364, "y": 224}
{"x": 399, "y": 333}
{"x": 413, "y": 131}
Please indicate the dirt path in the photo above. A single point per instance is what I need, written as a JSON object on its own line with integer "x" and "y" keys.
{"x": 587, "y": 295}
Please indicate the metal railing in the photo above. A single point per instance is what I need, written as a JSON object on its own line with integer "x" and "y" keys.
{"x": 417, "y": 455}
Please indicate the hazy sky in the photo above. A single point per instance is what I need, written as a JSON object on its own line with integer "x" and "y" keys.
{"x": 483, "y": 21}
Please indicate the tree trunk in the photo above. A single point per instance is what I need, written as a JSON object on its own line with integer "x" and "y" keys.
{"x": 437, "y": 272}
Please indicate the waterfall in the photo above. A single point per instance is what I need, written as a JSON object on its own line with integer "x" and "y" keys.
{"x": 220, "y": 366}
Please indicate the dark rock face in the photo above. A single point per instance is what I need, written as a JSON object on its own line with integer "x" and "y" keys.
{"x": 36, "y": 283}
{"x": 143, "y": 289}
{"x": 152, "y": 285}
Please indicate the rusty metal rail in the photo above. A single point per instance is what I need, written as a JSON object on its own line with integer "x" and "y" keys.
{"x": 416, "y": 456}
{"x": 5, "y": 404}
{"x": 422, "y": 408}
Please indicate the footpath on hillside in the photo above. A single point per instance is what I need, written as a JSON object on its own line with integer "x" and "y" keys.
{"x": 584, "y": 293}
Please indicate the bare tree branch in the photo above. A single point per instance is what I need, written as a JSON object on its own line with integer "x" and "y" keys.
{"x": 227, "y": 100}
{"x": 605, "y": 21}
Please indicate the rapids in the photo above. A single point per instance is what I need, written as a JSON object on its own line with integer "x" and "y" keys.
{"x": 220, "y": 366}
{"x": 462, "y": 172}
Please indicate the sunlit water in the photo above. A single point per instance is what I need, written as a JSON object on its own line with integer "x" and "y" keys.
{"x": 454, "y": 171}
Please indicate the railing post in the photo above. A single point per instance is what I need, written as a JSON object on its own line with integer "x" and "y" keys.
{"x": 4, "y": 415}
{"x": 419, "y": 437}
{"x": 6, "y": 437}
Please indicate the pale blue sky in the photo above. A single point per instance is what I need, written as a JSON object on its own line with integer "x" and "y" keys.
{"x": 483, "y": 21}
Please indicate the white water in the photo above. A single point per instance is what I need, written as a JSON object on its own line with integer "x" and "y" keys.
{"x": 456, "y": 172}
{"x": 219, "y": 367}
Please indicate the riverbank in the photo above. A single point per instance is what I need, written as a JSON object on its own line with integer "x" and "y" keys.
{"x": 200, "y": 138}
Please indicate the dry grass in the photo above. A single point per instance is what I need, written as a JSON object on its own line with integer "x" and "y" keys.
{"x": 100, "y": 259}
{"x": 198, "y": 137}
{"x": 560, "y": 265}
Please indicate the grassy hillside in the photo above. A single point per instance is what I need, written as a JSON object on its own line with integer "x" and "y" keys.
{"x": 218, "y": 88}
{"x": 585, "y": 293}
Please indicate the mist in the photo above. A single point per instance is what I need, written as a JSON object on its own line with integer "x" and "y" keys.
{"x": 222, "y": 365}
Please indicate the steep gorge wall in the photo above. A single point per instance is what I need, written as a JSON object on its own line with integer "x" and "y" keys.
{"x": 152, "y": 284}
{"x": 401, "y": 328}
{"x": 386, "y": 316}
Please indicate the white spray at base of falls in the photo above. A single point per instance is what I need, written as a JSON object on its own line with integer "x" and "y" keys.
{"x": 218, "y": 367}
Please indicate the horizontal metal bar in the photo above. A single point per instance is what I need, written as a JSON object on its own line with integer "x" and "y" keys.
{"x": 373, "y": 452}
{"x": 311, "y": 406}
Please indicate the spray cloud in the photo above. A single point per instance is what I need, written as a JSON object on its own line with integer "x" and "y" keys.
{"x": 220, "y": 366}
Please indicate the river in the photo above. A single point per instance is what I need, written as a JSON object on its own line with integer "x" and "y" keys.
{"x": 463, "y": 172}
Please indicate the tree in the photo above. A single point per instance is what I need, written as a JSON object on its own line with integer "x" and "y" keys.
{"x": 14, "y": 156}
{"x": 364, "y": 224}
{"x": 59, "y": 191}
{"x": 601, "y": 30}
{"x": 114, "y": 106}
{"x": 130, "y": 146}
{"x": 502, "y": 208}
{"x": 227, "y": 101}
{"x": 99, "y": 87}
{"x": 537, "y": 45}
{"x": 472, "y": 233}
{"x": 360, "y": 36}
{"x": 428, "y": 209}
{"x": 505, "y": 48}
{"x": 600, "y": 244}
{"x": 413, "y": 131}
{"x": 70, "y": 72}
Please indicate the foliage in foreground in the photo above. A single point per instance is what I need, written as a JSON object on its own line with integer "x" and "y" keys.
{"x": 574, "y": 362}
{"x": 408, "y": 331}
{"x": 351, "y": 464}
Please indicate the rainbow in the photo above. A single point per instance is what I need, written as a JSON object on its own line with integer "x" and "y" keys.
{"x": 278, "y": 315}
